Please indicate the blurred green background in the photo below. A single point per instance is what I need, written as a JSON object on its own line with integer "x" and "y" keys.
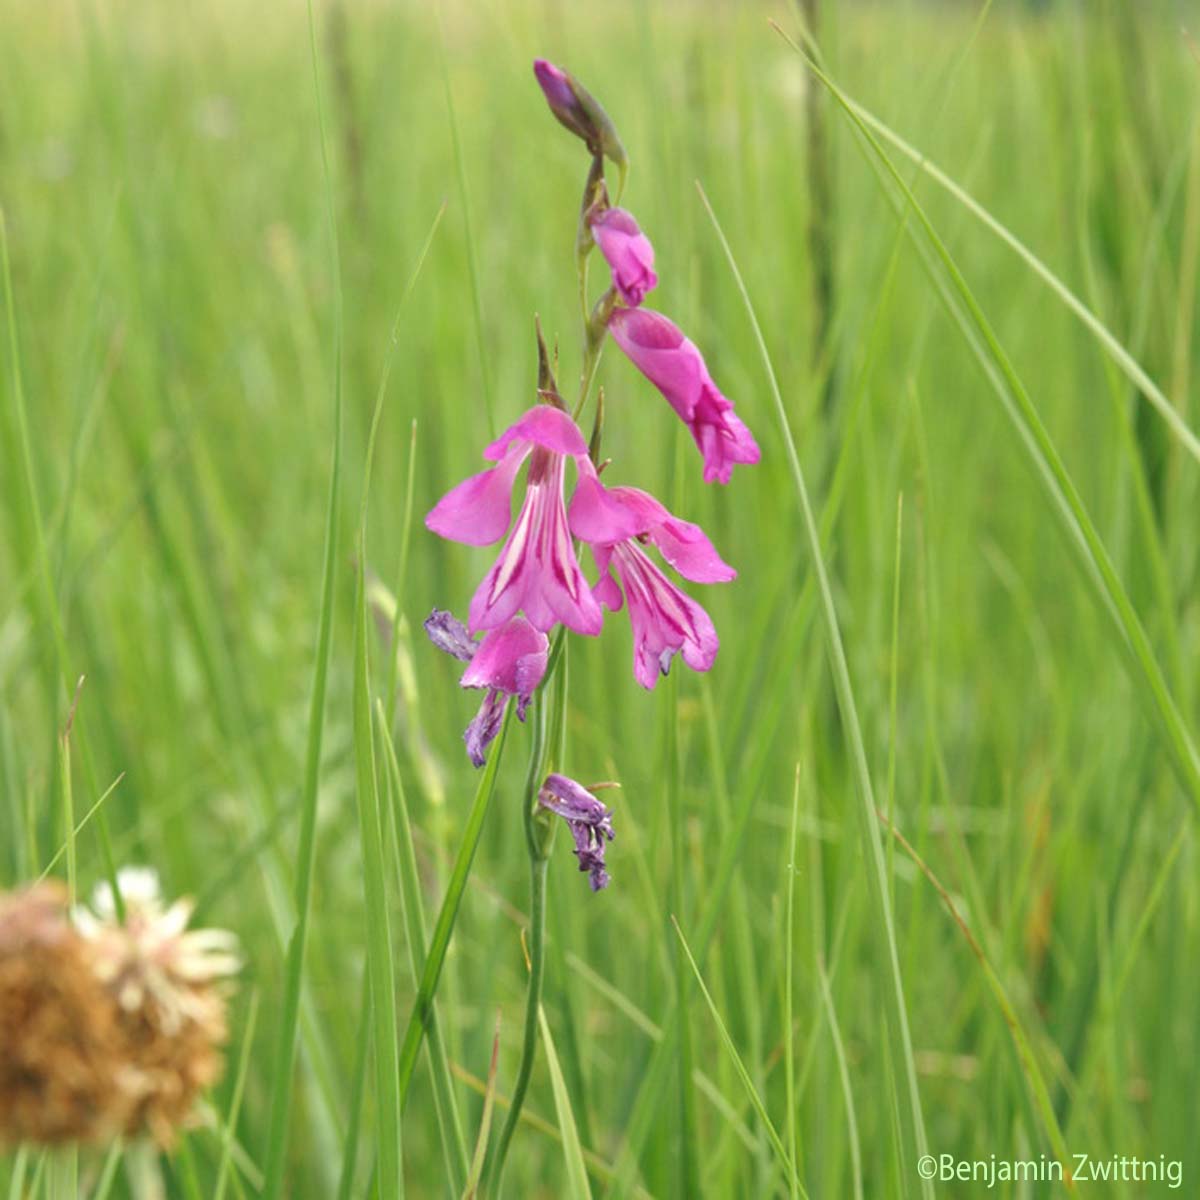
{"x": 173, "y": 308}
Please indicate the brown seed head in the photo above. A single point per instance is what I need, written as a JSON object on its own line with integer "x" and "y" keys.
{"x": 60, "y": 1054}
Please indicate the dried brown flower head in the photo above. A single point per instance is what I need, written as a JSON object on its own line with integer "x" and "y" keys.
{"x": 107, "y": 1028}
{"x": 59, "y": 1041}
{"x": 169, "y": 988}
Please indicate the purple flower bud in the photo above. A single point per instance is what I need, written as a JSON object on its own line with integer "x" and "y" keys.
{"x": 590, "y": 823}
{"x": 577, "y": 109}
{"x": 556, "y": 87}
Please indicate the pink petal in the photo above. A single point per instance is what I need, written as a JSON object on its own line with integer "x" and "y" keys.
{"x": 511, "y": 658}
{"x": 478, "y": 510}
{"x": 722, "y": 437}
{"x": 657, "y": 347}
{"x": 684, "y": 545}
{"x": 596, "y": 515}
{"x": 665, "y": 621}
{"x": 543, "y": 425}
{"x": 606, "y": 590}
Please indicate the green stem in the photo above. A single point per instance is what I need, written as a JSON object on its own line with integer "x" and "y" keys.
{"x": 591, "y": 360}
{"x": 538, "y": 847}
{"x": 533, "y": 1001}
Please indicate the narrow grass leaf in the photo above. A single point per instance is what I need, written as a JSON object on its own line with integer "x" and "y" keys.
{"x": 740, "y": 1068}
{"x": 1025, "y": 1055}
{"x": 577, "y": 1181}
{"x": 379, "y": 938}
{"x": 1081, "y": 534}
{"x": 485, "y": 1121}
{"x": 449, "y": 1123}
{"x": 444, "y": 928}
{"x": 839, "y": 1050}
{"x": 289, "y": 1019}
{"x": 229, "y": 1126}
{"x": 912, "y": 1121}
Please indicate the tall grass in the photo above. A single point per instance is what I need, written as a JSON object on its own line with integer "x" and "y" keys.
{"x": 948, "y": 905}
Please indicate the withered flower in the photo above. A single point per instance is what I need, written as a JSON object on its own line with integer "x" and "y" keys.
{"x": 60, "y": 1053}
{"x": 168, "y": 987}
{"x": 107, "y": 1029}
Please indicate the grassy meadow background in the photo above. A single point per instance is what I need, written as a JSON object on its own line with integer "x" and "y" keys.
{"x": 174, "y": 310}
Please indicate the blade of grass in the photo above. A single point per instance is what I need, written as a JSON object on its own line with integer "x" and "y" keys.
{"x": 460, "y": 167}
{"x": 42, "y": 554}
{"x": 402, "y": 571}
{"x": 572, "y": 1151}
{"x": 91, "y": 812}
{"x": 789, "y": 1050}
{"x": 485, "y": 1121}
{"x": 690, "y": 1172}
{"x": 285, "y": 1050}
{"x": 1066, "y": 502}
{"x": 740, "y": 1068}
{"x": 68, "y": 800}
{"x": 413, "y": 910}
{"x": 444, "y": 928}
{"x": 912, "y": 1121}
{"x": 358, "y": 1090}
{"x": 844, "y": 1074}
{"x": 1142, "y": 382}
{"x": 235, "y": 1103}
{"x": 1025, "y": 1056}
{"x": 108, "y": 1174}
{"x": 379, "y": 935}
{"x": 532, "y": 1120}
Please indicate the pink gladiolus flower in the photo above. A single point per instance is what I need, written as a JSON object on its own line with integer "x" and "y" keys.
{"x": 658, "y": 348}
{"x": 510, "y": 661}
{"x": 628, "y": 252}
{"x": 664, "y": 620}
{"x": 537, "y": 571}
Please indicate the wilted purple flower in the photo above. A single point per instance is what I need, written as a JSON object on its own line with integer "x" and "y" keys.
{"x": 665, "y": 621}
{"x": 510, "y": 661}
{"x": 658, "y": 348}
{"x": 450, "y": 635}
{"x": 628, "y": 252}
{"x": 537, "y": 570}
{"x": 590, "y": 822}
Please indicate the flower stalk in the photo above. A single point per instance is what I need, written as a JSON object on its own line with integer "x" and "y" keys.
{"x": 539, "y": 838}
{"x": 536, "y": 588}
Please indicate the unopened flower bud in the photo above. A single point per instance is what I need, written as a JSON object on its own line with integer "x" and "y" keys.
{"x": 577, "y": 109}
